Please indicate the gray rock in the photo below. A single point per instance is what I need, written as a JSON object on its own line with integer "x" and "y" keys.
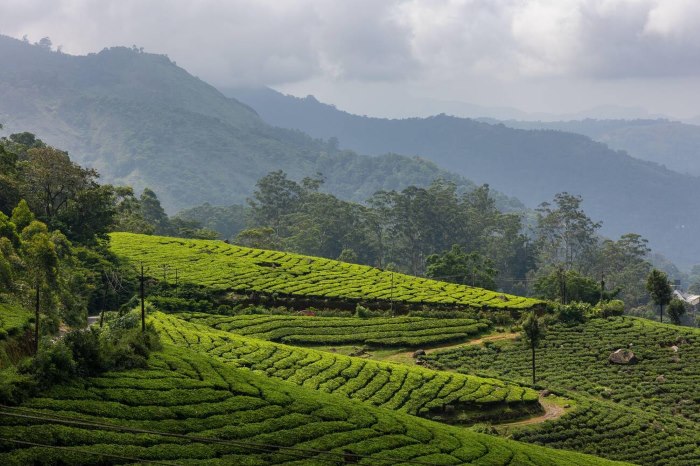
{"x": 420, "y": 352}
{"x": 622, "y": 356}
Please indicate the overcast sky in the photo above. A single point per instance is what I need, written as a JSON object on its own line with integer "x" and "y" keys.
{"x": 405, "y": 58}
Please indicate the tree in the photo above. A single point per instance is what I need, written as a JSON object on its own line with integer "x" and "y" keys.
{"x": 459, "y": 266}
{"x": 533, "y": 333}
{"x": 676, "y": 309}
{"x": 568, "y": 286}
{"x": 22, "y": 216}
{"x": 660, "y": 290}
{"x": 42, "y": 262}
{"x": 153, "y": 213}
{"x": 565, "y": 234}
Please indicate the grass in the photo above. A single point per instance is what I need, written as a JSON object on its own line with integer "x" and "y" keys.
{"x": 323, "y": 331}
{"x": 439, "y": 395}
{"x": 221, "y": 266}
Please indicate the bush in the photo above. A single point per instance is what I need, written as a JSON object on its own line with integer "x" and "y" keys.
{"x": 53, "y": 363}
{"x": 361, "y": 312}
{"x": 85, "y": 348}
{"x": 614, "y": 307}
{"x": 573, "y": 313}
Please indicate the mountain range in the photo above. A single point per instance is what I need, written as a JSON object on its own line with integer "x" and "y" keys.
{"x": 627, "y": 194}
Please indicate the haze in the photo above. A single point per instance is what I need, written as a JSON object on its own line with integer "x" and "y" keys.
{"x": 547, "y": 58}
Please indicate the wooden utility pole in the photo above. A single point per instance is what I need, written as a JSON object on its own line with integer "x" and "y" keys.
{"x": 176, "y": 277}
{"x": 602, "y": 286}
{"x": 143, "y": 304}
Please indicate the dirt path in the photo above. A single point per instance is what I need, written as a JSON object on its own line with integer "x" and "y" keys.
{"x": 406, "y": 357}
{"x": 554, "y": 408}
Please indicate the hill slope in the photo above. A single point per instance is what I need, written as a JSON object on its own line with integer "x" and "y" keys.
{"x": 189, "y": 409}
{"x": 141, "y": 120}
{"x": 627, "y": 194}
{"x": 673, "y": 144}
{"x": 220, "y": 266}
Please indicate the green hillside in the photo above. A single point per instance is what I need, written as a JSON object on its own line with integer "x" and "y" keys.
{"x": 220, "y": 266}
{"x": 375, "y": 332}
{"x": 189, "y": 409}
{"x": 654, "y": 405}
{"x": 410, "y": 389}
{"x": 141, "y": 120}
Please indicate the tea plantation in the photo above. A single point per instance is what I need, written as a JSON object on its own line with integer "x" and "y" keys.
{"x": 221, "y": 266}
{"x": 186, "y": 408}
{"x": 410, "y": 389}
{"x": 12, "y": 319}
{"x": 654, "y": 405}
{"x": 375, "y": 332}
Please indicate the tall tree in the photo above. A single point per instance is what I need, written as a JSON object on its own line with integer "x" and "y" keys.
{"x": 660, "y": 290}
{"x": 459, "y": 266}
{"x": 533, "y": 333}
{"x": 565, "y": 234}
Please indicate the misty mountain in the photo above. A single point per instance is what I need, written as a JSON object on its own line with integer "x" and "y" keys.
{"x": 673, "y": 144}
{"x": 627, "y": 194}
{"x": 141, "y": 120}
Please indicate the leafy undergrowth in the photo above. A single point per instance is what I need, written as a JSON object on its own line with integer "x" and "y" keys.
{"x": 186, "y": 408}
{"x": 375, "y": 332}
{"x": 647, "y": 412}
{"x": 222, "y": 266}
{"x": 439, "y": 395}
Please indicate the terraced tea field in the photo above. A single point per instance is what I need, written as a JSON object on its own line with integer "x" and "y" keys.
{"x": 413, "y": 390}
{"x": 647, "y": 413}
{"x": 187, "y": 408}
{"x": 665, "y": 379}
{"x": 221, "y": 266}
{"x": 375, "y": 332}
{"x": 12, "y": 319}
{"x": 607, "y": 429}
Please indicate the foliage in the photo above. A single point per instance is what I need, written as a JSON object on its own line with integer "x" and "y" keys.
{"x": 612, "y": 308}
{"x": 626, "y": 413}
{"x": 458, "y": 266}
{"x": 220, "y": 266}
{"x": 565, "y": 286}
{"x": 676, "y": 309}
{"x": 374, "y": 332}
{"x": 573, "y": 313}
{"x": 181, "y": 392}
{"x": 410, "y": 389}
{"x": 659, "y": 289}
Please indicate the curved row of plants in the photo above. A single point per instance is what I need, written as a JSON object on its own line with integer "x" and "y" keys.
{"x": 221, "y": 266}
{"x": 378, "y": 331}
{"x": 575, "y": 357}
{"x": 441, "y": 395}
{"x": 186, "y": 408}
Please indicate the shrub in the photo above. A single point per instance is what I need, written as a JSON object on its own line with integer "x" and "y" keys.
{"x": 614, "y": 307}
{"x": 573, "y": 313}
{"x": 53, "y": 363}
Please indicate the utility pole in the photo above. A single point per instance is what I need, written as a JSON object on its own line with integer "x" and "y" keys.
{"x": 165, "y": 273}
{"x": 143, "y": 304}
{"x": 104, "y": 297}
{"x": 602, "y": 286}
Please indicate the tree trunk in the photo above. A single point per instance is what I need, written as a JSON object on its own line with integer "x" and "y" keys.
{"x": 36, "y": 317}
{"x": 661, "y": 312}
{"x": 533, "y": 365}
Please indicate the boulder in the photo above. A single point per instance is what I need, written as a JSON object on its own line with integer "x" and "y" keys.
{"x": 420, "y": 352}
{"x": 674, "y": 348}
{"x": 661, "y": 379}
{"x": 622, "y": 356}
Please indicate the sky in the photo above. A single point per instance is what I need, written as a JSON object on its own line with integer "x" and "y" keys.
{"x": 398, "y": 58}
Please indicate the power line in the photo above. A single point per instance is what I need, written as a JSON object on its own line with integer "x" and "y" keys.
{"x": 268, "y": 448}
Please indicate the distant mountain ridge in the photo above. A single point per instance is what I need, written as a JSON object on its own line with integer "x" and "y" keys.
{"x": 141, "y": 120}
{"x": 627, "y": 194}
